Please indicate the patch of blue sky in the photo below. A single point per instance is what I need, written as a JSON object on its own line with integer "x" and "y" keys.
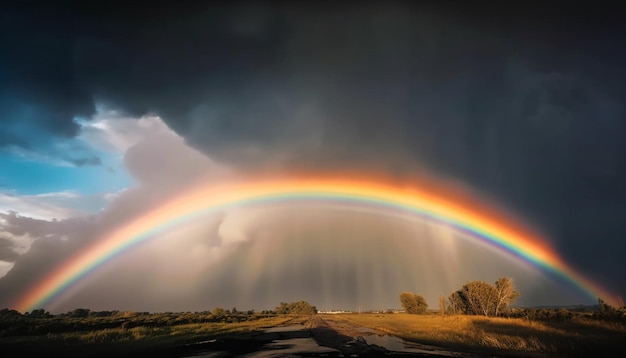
{"x": 26, "y": 175}
{"x": 33, "y": 160}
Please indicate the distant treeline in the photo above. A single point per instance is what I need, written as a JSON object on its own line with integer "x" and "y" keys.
{"x": 602, "y": 311}
{"x": 41, "y": 322}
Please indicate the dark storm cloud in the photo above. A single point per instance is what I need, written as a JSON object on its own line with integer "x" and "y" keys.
{"x": 325, "y": 84}
{"x": 6, "y": 250}
{"x": 245, "y": 81}
{"x": 523, "y": 102}
{"x": 38, "y": 91}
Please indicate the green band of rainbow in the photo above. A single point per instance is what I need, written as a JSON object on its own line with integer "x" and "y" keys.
{"x": 483, "y": 224}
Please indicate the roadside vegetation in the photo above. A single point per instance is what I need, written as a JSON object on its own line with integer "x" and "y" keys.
{"x": 477, "y": 317}
{"x": 103, "y": 333}
{"x": 579, "y": 335}
{"x": 474, "y": 298}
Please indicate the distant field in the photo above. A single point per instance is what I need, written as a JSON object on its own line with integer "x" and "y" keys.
{"x": 576, "y": 336}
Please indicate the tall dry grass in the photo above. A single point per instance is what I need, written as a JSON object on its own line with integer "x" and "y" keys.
{"x": 183, "y": 332}
{"x": 577, "y": 336}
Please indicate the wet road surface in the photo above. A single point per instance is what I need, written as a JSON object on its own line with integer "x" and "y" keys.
{"x": 315, "y": 337}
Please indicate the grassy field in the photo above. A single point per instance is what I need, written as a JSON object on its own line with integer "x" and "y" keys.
{"x": 167, "y": 334}
{"x": 577, "y": 336}
{"x": 124, "y": 341}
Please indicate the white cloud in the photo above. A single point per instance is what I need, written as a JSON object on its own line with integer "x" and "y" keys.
{"x": 19, "y": 243}
{"x": 46, "y": 206}
{"x": 109, "y": 131}
{"x": 5, "y": 267}
{"x": 150, "y": 142}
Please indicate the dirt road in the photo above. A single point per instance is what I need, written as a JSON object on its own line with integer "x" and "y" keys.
{"x": 353, "y": 340}
{"x": 315, "y": 336}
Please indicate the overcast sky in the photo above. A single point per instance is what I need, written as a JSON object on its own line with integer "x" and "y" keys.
{"x": 107, "y": 109}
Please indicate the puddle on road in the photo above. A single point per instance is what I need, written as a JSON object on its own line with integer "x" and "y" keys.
{"x": 292, "y": 328}
{"x": 280, "y": 348}
{"x": 283, "y": 341}
{"x": 295, "y": 341}
{"x": 286, "y": 346}
{"x": 395, "y": 344}
{"x": 209, "y": 355}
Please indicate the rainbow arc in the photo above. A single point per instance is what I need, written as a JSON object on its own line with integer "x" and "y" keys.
{"x": 455, "y": 210}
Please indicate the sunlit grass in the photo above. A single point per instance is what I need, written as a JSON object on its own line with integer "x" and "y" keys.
{"x": 511, "y": 334}
{"x": 186, "y": 332}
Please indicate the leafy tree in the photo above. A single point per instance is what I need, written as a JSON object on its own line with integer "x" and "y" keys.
{"x": 300, "y": 307}
{"x": 101, "y": 313}
{"x": 283, "y": 308}
{"x": 79, "y": 313}
{"x": 456, "y": 303}
{"x": 39, "y": 313}
{"x": 413, "y": 303}
{"x": 6, "y": 313}
{"x": 481, "y": 298}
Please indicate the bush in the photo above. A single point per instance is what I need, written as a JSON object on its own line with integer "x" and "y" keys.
{"x": 413, "y": 303}
{"x": 300, "y": 307}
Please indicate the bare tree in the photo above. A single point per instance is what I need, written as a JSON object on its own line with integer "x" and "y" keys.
{"x": 442, "y": 305}
{"x": 505, "y": 294}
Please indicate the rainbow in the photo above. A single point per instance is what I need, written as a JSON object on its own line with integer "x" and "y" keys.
{"x": 422, "y": 199}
